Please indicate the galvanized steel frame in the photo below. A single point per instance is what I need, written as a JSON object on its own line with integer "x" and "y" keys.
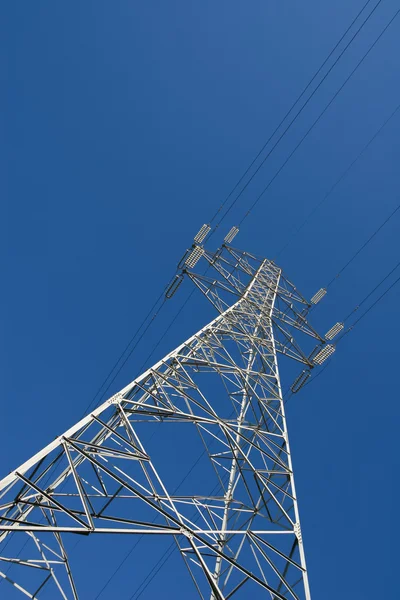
{"x": 98, "y": 478}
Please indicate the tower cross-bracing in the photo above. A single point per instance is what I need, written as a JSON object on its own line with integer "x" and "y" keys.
{"x": 213, "y": 404}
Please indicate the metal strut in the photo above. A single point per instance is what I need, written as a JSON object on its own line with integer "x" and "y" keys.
{"x": 238, "y": 539}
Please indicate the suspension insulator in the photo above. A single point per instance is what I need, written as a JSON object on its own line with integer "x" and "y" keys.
{"x": 176, "y": 282}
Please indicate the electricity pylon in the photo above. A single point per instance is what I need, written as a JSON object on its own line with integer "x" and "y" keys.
{"x": 236, "y": 523}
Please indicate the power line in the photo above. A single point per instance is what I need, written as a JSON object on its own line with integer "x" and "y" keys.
{"x": 372, "y": 292}
{"x": 169, "y": 552}
{"x": 358, "y": 251}
{"x": 182, "y": 307}
{"x": 342, "y": 176}
{"x": 306, "y": 134}
{"x": 229, "y": 195}
{"x": 379, "y": 299}
{"x": 318, "y": 118}
{"x": 298, "y": 113}
{"x": 125, "y": 350}
{"x": 361, "y": 248}
{"x": 190, "y": 295}
{"x": 135, "y": 345}
{"x": 289, "y": 111}
{"x": 297, "y": 146}
{"x": 154, "y": 572}
{"x": 173, "y": 320}
{"x": 362, "y": 316}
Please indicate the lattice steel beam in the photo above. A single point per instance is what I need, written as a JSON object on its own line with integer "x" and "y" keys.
{"x": 237, "y": 525}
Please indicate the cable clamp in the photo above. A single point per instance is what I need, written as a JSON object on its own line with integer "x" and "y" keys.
{"x": 186, "y": 533}
{"x": 115, "y": 399}
{"x": 297, "y": 532}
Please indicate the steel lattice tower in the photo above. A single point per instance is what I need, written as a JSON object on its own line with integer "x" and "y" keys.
{"x": 236, "y": 524}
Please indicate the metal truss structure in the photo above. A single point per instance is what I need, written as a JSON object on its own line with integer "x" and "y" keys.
{"x": 236, "y": 524}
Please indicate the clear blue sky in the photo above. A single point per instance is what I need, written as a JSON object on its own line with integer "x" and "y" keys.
{"x": 124, "y": 125}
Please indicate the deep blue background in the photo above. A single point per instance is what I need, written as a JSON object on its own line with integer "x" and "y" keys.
{"x": 124, "y": 125}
